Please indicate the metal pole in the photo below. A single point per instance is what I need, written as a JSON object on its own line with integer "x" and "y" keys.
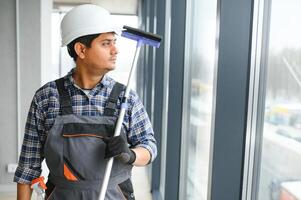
{"x": 119, "y": 122}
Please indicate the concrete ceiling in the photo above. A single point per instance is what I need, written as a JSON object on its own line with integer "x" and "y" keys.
{"x": 122, "y": 7}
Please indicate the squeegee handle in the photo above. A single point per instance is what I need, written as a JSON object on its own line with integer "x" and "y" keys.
{"x": 119, "y": 123}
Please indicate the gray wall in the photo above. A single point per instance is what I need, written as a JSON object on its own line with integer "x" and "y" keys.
{"x": 8, "y": 101}
{"x": 25, "y": 40}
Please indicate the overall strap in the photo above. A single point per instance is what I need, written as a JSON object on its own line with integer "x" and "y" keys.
{"x": 64, "y": 97}
{"x": 113, "y": 98}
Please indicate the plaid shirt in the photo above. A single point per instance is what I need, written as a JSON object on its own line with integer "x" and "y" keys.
{"x": 45, "y": 107}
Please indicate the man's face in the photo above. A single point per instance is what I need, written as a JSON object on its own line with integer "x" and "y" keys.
{"x": 101, "y": 56}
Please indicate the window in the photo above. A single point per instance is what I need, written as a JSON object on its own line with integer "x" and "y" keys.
{"x": 198, "y": 97}
{"x": 280, "y": 174}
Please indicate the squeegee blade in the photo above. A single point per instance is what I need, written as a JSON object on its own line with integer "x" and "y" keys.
{"x": 141, "y": 36}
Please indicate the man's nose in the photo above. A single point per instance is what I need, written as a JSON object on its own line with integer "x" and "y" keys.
{"x": 114, "y": 49}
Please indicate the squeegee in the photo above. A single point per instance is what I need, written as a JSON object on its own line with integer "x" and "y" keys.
{"x": 142, "y": 38}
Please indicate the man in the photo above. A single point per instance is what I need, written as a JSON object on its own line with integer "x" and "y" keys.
{"x": 71, "y": 120}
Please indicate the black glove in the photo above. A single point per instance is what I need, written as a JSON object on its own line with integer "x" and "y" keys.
{"x": 118, "y": 147}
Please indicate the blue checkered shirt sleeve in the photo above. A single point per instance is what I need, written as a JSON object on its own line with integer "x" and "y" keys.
{"x": 29, "y": 166}
{"x": 140, "y": 128}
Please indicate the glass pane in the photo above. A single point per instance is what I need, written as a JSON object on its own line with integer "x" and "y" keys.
{"x": 201, "y": 47}
{"x": 280, "y": 175}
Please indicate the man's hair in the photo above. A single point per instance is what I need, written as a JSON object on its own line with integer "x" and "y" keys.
{"x": 85, "y": 40}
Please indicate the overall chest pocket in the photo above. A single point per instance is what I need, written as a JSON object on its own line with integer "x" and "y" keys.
{"x": 83, "y": 151}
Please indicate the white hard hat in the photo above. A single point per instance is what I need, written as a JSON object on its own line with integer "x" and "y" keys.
{"x": 84, "y": 20}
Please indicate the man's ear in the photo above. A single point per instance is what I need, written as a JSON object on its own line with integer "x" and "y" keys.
{"x": 80, "y": 50}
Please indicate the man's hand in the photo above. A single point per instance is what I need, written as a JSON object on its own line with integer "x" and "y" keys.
{"x": 118, "y": 147}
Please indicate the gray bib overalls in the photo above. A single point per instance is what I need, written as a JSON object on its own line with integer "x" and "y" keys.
{"x": 74, "y": 152}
